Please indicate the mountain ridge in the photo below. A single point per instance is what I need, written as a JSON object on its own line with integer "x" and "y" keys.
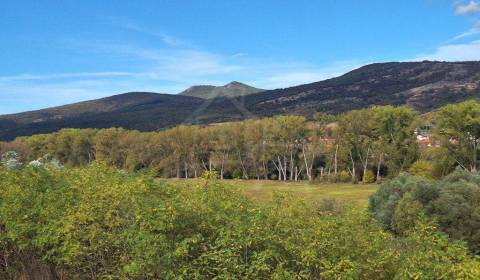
{"x": 423, "y": 86}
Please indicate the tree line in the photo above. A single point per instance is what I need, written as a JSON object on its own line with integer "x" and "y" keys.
{"x": 361, "y": 145}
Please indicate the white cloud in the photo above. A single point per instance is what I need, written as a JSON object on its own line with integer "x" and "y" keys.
{"x": 30, "y": 77}
{"x": 464, "y": 9}
{"x": 454, "y": 52}
{"x": 472, "y": 31}
{"x": 281, "y": 76}
{"x": 131, "y": 26}
{"x": 239, "y": 54}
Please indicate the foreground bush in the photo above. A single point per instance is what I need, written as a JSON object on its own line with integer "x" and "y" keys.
{"x": 98, "y": 223}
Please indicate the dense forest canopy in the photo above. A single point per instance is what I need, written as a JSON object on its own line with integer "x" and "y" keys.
{"x": 361, "y": 145}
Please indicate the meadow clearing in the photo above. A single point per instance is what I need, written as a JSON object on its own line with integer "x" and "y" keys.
{"x": 264, "y": 190}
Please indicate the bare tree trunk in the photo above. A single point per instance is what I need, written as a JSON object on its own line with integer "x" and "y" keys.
{"x": 291, "y": 164}
{"x": 308, "y": 167}
{"x": 264, "y": 170}
{"x": 280, "y": 169}
{"x": 298, "y": 172}
{"x": 353, "y": 173}
{"x": 366, "y": 164}
{"x": 475, "y": 151}
{"x": 336, "y": 160}
{"x": 378, "y": 166}
{"x": 186, "y": 170}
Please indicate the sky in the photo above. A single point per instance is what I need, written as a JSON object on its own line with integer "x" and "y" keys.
{"x": 58, "y": 52}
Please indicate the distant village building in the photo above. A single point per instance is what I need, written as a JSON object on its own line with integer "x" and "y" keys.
{"x": 423, "y": 136}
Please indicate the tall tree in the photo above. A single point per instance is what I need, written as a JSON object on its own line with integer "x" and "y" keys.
{"x": 458, "y": 127}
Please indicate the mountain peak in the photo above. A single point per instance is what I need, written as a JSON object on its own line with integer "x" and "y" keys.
{"x": 231, "y": 89}
{"x": 235, "y": 83}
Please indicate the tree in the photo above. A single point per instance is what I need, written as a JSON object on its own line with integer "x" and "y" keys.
{"x": 394, "y": 135}
{"x": 458, "y": 128}
{"x": 356, "y": 139}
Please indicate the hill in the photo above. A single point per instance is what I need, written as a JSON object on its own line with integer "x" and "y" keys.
{"x": 134, "y": 110}
{"x": 232, "y": 89}
{"x": 422, "y": 85}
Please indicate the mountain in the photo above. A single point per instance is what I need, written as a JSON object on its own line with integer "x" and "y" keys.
{"x": 232, "y": 89}
{"x": 423, "y": 86}
{"x": 134, "y": 110}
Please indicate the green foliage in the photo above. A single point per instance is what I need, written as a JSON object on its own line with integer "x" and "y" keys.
{"x": 458, "y": 128}
{"x": 99, "y": 223}
{"x": 281, "y": 147}
{"x": 422, "y": 168}
{"x": 376, "y": 137}
{"x": 385, "y": 201}
{"x": 344, "y": 177}
{"x": 407, "y": 214}
{"x": 368, "y": 177}
{"x": 453, "y": 202}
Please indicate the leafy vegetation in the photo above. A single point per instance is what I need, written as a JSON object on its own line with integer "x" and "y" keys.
{"x": 101, "y": 223}
{"x": 454, "y": 202}
{"x": 360, "y": 146}
{"x": 365, "y": 145}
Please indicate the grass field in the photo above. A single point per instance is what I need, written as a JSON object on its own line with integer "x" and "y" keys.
{"x": 263, "y": 190}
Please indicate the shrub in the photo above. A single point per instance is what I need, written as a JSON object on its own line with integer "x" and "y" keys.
{"x": 46, "y": 161}
{"x": 383, "y": 203}
{"x": 344, "y": 177}
{"x": 453, "y": 202}
{"x": 368, "y": 177}
{"x": 422, "y": 168}
{"x": 10, "y": 160}
{"x": 407, "y": 214}
{"x": 98, "y": 223}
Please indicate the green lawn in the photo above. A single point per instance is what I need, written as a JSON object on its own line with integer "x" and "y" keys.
{"x": 263, "y": 190}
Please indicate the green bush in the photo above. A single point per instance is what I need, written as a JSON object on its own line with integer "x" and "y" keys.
{"x": 344, "y": 177}
{"x": 98, "y": 223}
{"x": 368, "y": 177}
{"x": 454, "y": 202}
{"x": 422, "y": 168}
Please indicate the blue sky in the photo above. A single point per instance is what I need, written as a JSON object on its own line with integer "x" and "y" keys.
{"x": 57, "y": 52}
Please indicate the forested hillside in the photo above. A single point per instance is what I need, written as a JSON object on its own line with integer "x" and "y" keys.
{"x": 423, "y": 86}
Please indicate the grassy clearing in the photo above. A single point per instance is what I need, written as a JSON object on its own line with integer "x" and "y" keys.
{"x": 263, "y": 190}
